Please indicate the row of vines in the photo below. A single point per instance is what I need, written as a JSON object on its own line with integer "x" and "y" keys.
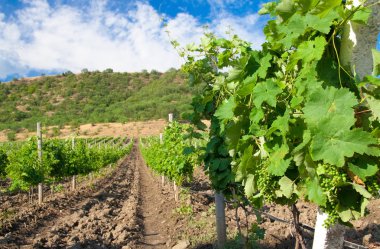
{"x": 19, "y": 161}
{"x": 289, "y": 122}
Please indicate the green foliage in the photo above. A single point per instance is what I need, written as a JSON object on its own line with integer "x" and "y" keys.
{"x": 172, "y": 157}
{"x": 93, "y": 97}
{"x": 11, "y": 135}
{"x": 289, "y": 122}
{"x": 59, "y": 159}
{"x": 3, "y": 162}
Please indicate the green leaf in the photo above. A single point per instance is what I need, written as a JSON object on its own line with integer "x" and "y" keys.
{"x": 321, "y": 24}
{"x": 361, "y": 16}
{"x": 315, "y": 192}
{"x": 323, "y": 7}
{"x": 226, "y": 109}
{"x": 345, "y": 215}
{"x": 286, "y": 9}
{"x": 305, "y": 141}
{"x": 277, "y": 164}
{"x": 234, "y": 74}
{"x": 286, "y": 186}
{"x": 264, "y": 65}
{"x": 363, "y": 169}
{"x": 249, "y": 186}
{"x": 308, "y": 51}
{"x": 361, "y": 190}
{"x": 330, "y": 108}
{"x": 266, "y": 91}
{"x": 374, "y": 105}
{"x": 333, "y": 148}
{"x": 363, "y": 206}
{"x": 376, "y": 62}
{"x": 281, "y": 123}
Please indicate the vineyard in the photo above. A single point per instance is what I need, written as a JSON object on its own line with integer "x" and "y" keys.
{"x": 281, "y": 150}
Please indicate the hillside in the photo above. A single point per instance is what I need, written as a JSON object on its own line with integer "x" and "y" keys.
{"x": 93, "y": 97}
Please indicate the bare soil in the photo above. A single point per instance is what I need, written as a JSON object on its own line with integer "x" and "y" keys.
{"x": 130, "y": 129}
{"x": 129, "y": 208}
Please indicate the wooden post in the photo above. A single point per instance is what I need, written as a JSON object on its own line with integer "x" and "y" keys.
{"x": 74, "y": 182}
{"x": 39, "y": 152}
{"x": 220, "y": 220}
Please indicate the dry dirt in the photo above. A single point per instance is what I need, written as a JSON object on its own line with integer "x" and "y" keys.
{"x": 131, "y": 129}
{"x": 129, "y": 208}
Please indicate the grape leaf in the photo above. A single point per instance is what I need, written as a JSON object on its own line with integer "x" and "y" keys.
{"x": 376, "y": 62}
{"x": 361, "y": 190}
{"x": 361, "y": 16}
{"x": 374, "y": 105}
{"x": 287, "y": 187}
{"x": 226, "y": 109}
{"x": 249, "y": 185}
{"x": 363, "y": 169}
{"x": 264, "y": 65}
{"x": 266, "y": 92}
{"x": 277, "y": 164}
{"x": 315, "y": 192}
{"x": 333, "y": 148}
{"x": 308, "y": 51}
{"x": 330, "y": 108}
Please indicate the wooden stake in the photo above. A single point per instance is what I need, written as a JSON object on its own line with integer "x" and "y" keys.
{"x": 40, "y": 193}
{"x": 73, "y": 183}
{"x": 220, "y": 220}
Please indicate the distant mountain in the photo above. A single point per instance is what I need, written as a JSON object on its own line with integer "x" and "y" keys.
{"x": 93, "y": 97}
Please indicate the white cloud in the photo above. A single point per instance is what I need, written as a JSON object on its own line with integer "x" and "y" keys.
{"x": 42, "y": 38}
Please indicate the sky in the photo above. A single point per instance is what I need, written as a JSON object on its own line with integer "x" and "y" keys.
{"x": 54, "y": 36}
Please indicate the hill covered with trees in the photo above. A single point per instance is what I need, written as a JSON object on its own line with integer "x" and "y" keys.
{"x": 93, "y": 97}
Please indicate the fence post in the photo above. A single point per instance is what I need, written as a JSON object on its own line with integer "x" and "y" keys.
{"x": 220, "y": 220}
{"x": 39, "y": 152}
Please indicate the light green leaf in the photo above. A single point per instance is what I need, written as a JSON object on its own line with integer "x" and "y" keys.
{"x": 361, "y": 16}
{"x": 286, "y": 186}
{"x": 333, "y": 148}
{"x": 234, "y": 74}
{"x": 305, "y": 140}
{"x": 308, "y": 51}
{"x": 346, "y": 215}
{"x": 361, "y": 190}
{"x": 226, "y": 109}
{"x": 363, "y": 206}
{"x": 277, "y": 164}
{"x": 315, "y": 192}
{"x": 374, "y": 105}
{"x": 376, "y": 62}
{"x": 363, "y": 169}
{"x": 266, "y": 91}
{"x": 249, "y": 187}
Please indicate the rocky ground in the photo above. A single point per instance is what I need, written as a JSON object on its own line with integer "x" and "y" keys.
{"x": 128, "y": 207}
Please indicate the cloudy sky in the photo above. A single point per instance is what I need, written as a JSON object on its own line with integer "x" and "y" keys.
{"x": 53, "y": 36}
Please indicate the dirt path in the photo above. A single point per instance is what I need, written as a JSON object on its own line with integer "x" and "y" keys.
{"x": 156, "y": 211}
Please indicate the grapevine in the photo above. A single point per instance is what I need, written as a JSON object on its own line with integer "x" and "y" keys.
{"x": 290, "y": 122}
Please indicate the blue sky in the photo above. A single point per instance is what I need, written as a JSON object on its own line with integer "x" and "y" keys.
{"x": 53, "y": 36}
